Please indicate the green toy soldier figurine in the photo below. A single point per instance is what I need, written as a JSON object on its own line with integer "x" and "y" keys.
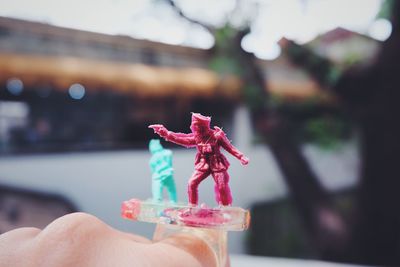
{"x": 162, "y": 171}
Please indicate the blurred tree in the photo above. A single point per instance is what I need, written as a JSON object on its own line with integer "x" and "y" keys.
{"x": 369, "y": 95}
{"x": 386, "y": 9}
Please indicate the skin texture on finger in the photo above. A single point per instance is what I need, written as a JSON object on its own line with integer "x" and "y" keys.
{"x": 83, "y": 240}
{"x": 80, "y": 239}
{"x": 20, "y": 234}
{"x": 15, "y": 245}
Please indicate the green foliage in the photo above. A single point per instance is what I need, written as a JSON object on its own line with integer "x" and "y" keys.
{"x": 252, "y": 97}
{"x": 334, "y": 74}
{"x": 386, "y": 9}
{"x": 327, "y": 131}
{"x": 275, "y": 101}
{"x": 224, "y": 60}
{"x": 225, "y": 65}
{"x": 223, "y": 36}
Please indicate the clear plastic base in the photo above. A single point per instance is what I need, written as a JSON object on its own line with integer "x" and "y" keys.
{"x": 222, "y": 218}
{"x": 210, "y": 224}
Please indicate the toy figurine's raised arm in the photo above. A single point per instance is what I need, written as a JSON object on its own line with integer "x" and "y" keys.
{"x": 182, "y": 139}
{"x": 226, "y": 144}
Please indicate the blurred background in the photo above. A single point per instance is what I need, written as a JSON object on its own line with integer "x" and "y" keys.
{"x": 308, "y": 89}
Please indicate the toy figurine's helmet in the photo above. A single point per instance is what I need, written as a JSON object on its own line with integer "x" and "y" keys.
{"x": 199, "y": 119}
{"x": 155, "y": 145}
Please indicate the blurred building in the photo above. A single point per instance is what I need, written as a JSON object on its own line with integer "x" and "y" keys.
{"x": 64, "y": 89}
{"x": 83, "y": 90}
{"x": 344, "y": 47}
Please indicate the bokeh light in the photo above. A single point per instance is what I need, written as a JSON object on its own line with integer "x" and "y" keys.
{"x": 15, "y": 86}
{"x": 380, "y": 29}
{"x": 76, "y": 91}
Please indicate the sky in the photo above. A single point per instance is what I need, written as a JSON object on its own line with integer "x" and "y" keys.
{"x": 299, "y": 20}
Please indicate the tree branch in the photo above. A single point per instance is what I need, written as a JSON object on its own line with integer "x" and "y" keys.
{"x": 318, "y": 67}
{"x": 350, "y": 85}
{"x": 179, "y": 11}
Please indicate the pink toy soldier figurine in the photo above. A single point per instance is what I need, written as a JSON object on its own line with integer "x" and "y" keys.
{"x": 209, "y": 159}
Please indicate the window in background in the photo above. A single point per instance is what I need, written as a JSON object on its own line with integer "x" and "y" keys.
{"x": 81, "y": 119}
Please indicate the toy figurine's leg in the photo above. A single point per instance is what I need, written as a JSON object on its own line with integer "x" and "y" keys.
{"x": 222, "y": 190}
{"x": 171, "y": 188}
{"x": 193, "y": 184}
{"x": 157, "y": 189}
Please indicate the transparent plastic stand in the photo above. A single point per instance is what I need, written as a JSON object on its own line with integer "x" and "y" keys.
{"x": 210, "y": 224}
{"x": 217, "y": 240}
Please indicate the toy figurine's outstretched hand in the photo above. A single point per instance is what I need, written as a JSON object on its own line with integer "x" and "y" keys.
{"x": 159, "y": 129}
{"x": 244, "y": 160}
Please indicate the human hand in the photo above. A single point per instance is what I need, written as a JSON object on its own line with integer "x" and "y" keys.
{"x": 80, "y": 239}
{"x": 244, "y": 160}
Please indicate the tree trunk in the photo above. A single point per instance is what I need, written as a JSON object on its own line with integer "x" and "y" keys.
{"x": 371, "y": 96}
{"x": 324, "y": 224}
{"x": 377, "y": 229}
